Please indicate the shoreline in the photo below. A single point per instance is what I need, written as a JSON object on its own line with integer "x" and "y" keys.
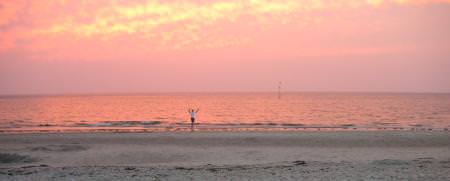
{"x": 208, "y": 128}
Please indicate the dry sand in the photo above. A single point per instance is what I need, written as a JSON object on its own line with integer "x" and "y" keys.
{"x": 340, "y": 155}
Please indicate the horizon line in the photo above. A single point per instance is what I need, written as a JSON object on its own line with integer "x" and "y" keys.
{"x": 216, "y": 92}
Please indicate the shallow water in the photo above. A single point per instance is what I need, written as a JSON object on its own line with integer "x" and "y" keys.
{"x": 225, "y": 111}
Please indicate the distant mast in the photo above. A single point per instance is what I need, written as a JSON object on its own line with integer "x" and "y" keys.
{"x": 279, "y": 90}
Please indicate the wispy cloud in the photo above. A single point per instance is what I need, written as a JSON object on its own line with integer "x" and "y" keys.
{"x": 166, "y": 24}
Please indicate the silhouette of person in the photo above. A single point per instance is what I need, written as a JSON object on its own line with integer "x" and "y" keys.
{"x": 193, "y": 113}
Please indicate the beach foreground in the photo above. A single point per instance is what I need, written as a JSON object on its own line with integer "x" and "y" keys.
{"x": 340, "y": 155}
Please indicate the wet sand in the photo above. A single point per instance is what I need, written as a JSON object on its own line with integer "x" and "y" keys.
{"x": 326, "y": 155}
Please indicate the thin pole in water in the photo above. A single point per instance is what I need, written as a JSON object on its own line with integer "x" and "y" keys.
{"x": 279, "y": 90}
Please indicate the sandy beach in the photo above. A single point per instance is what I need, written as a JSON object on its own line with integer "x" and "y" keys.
{"x": 327, "y": 155}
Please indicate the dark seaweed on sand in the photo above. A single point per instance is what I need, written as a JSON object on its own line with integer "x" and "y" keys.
{"x": 14, "y": 158}
{"x": 59, "y": 148}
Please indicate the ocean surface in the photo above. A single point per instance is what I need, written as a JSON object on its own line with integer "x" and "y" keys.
{"x": 225, "y": 111}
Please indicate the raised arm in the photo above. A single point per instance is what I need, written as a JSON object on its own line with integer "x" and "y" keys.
{"x": 198, "y": 109}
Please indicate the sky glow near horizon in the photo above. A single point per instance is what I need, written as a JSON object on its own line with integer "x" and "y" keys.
{"x": 83, "y": 46}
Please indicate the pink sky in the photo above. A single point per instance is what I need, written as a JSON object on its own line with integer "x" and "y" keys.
{"x": 78, "y": 46}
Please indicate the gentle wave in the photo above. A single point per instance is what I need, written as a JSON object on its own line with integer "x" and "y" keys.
{"x": 155, "y": 126}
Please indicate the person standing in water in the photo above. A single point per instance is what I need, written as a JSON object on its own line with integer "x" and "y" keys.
{"x": 193, "y": 113}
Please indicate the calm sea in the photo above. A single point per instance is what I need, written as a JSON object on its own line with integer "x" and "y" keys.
{"x": 225, "y": 111}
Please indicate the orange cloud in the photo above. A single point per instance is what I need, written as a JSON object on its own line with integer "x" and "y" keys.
{"x": 9, "y": 12}
{"x": 167, "y": 24}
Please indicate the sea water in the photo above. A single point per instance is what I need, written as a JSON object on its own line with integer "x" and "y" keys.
{"x": 225, "y": 111}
